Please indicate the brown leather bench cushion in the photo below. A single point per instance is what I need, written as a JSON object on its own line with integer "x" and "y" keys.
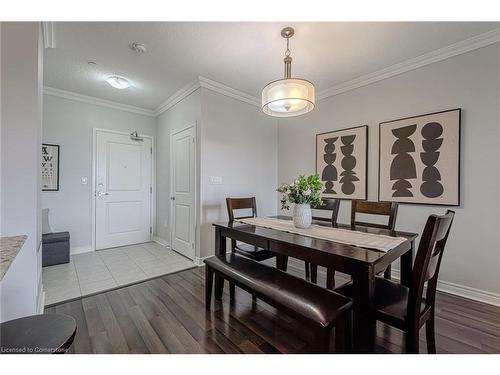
{"x": 282, "y": 289}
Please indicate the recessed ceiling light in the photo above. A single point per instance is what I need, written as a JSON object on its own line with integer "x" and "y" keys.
{"x": 118, "y": 82}
{"x": 138, "y": 47}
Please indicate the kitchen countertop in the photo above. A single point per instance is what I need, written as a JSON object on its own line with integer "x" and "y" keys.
{"x": 9, "y": 248}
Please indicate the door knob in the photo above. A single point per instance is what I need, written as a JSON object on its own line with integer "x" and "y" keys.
{"x": 102, "y": 193}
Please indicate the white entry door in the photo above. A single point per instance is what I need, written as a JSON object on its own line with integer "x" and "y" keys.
{"x": 123, "y": 190}
{"x": 182, "y": 174}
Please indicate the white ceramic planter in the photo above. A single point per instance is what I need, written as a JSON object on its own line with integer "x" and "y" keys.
{"x": 302, "y": 216}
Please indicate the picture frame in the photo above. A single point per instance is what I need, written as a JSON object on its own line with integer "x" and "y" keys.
{"x": 342, "y": 162}
{"x": 50, "y": 161}
{"x": 419, "y": 159}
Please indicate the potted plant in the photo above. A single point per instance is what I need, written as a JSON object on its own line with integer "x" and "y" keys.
{"x": 304, "y": 193}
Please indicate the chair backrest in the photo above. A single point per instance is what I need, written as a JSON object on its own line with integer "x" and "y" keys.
{"x": 428, "y": 261}
{"x": 241, "y": 204}
{"x": 329, "y": 204}
{"x": 389, "y": 209}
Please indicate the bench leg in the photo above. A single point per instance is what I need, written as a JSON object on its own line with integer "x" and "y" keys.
{"x": 219, "y": 287}
{"x": 322, "y": 341}
{"x": 209, "y": 280}
{"x": 343, "y": 333}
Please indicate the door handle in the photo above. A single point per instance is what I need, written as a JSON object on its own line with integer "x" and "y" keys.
{"x": 102, "y": 193}
{"x": 172, "y": 198}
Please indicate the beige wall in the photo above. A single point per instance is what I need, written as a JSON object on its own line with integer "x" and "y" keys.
{"x": 70, "y": 124}
{"x": 470, "y": 81}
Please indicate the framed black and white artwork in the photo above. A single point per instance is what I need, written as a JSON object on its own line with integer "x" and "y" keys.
{"x": 419, "y": 159}
{"x": 341, "y": 162}
{"x": 50, "y": 167}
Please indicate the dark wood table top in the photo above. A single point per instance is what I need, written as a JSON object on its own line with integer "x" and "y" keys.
{"x": 37, "y": 334}
{"x": 353, "y": 253}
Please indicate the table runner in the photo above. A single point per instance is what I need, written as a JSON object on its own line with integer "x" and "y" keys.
{"x": 345, "y": 236}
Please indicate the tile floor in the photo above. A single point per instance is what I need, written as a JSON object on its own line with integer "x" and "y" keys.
{"x": 102, "y": 270}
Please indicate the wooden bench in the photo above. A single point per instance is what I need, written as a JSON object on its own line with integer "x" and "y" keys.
{"x": 329, "y": 314}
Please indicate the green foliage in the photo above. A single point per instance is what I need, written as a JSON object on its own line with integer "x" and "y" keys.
{"x": 305, "y": 190}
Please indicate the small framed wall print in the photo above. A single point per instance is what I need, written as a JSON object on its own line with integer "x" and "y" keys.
{"x": 419, "y": 159}
{"x": 341, "y": 162}
{"x": 50, "y": 167}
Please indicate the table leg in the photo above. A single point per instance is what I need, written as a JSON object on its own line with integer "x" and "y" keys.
{"x": 407, "y": 265}
{"x": 364, "y": 318}
{"x": 220, "y": 249}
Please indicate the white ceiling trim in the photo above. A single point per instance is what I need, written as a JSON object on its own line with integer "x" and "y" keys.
{"x": 228, "y": 91}
{"x": 177, "y": 96}
{"x": 97, "y": 101}
{"x": 49, "y": 34}
{"x": 466, "y": 45}
{"x": 210, "y": 85}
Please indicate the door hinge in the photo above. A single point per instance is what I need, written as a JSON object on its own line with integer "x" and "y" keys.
{"x": 150, "y": 190}
{"x": 151, "y": 150}
{"x": 150, "y": 230}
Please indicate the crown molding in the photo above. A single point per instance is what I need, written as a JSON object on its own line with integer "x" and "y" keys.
{"x": 96, "y": 101}
{"x": 207, "y": 84}
{"x": 49, "y": 34}
{"x": 177, "y": 96}
{"x": 228, "y": 91}
{"x": 464, "y": 46}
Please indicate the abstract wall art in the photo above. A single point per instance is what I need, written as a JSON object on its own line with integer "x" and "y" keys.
{"x": 419, "y": 159}
{"x": 341, "y": 162}
{"x": 50, "y": 167}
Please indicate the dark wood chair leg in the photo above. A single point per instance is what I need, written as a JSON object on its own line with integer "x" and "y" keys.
{"x": 282, "y": 262}
{"x": 209, "y": 280}
{"x": 388, "y": 273}
{"x": 330, "y": 278}
{"x": 411, "y": 341}
{"x": 430, "y": 335}
{"x": 219, "y": 287}
{"x": 314, "y": 273}
{"x": 307, "y": 268}
{"x": 254, "y": 299}
{"x": 232, "y": 291}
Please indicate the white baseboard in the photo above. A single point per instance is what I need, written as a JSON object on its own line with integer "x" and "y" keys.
{"x": 161, "y": 241}
{"x": 80, "y": 249}
{"x": 463, "y": 291}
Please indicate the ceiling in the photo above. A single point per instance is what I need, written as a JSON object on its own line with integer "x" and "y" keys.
{"x": 243, "y": 55}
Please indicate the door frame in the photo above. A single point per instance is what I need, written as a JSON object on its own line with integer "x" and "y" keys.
{"x": 94, "y": 171}
{"x": 195, "y": 192}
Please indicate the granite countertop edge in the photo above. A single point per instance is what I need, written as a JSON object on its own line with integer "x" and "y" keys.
{"x": 9, "y": 248}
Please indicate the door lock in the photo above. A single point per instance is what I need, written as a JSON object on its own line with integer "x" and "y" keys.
{"x": 102, "y": 193}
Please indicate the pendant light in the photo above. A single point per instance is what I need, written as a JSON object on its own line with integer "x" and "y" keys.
{"x": 289, "y": 96}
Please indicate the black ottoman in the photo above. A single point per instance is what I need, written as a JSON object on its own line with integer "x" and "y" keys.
{"x": 55, "y": 248}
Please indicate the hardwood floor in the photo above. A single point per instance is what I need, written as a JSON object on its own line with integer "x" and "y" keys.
{"x": 167, "y": 315}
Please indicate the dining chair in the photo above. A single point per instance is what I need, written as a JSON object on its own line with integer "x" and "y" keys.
{"x": 327, "y": 204}
{"x": 389, "y": 209}
{"x": 410, "y": 308}
{"x": 249, "y": 251}
{"x": 253, "y": 252}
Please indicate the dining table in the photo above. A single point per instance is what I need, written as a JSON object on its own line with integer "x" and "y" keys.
{"x": 361, "y": 263}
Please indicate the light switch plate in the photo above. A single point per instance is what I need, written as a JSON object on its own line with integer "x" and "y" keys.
{"x": 215, "y": 180}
